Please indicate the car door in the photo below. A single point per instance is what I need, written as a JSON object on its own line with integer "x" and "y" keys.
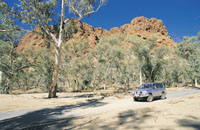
{"x": 154, "y": 90}
{"x": 159, "y": 88}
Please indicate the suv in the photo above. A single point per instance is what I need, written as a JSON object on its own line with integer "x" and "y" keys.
{"x": 149, "y": 91}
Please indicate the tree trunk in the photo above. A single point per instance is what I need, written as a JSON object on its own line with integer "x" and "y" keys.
{"x": 68, "y": 81}
{"x": 196, "y": 82}
{"x": 58, "y": 44}
{"x": 1, "y": 77}
{"x": 140, "y": 75}
{"x": 104, "y": 87}
{"x": 54, "y": 78}
{"x": 128, "y": 80}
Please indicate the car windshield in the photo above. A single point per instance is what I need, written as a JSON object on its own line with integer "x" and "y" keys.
{"x": 145, "y": 86}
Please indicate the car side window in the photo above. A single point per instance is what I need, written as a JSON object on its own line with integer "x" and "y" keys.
{"x": 154, "y": 86}
{"x": 159, "y": 85}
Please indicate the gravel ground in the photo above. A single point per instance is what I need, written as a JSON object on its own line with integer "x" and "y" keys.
{"x": 179, "y": 111}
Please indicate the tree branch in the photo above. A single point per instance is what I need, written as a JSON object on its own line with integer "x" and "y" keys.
{"x": 7, "y": 74}
{"x": 52, "y": 36}
{"x": 44, "y": 27}
{"x": 61, "y": 24}
{"x": 94, "y": 11}
{"x": 66, "y": 20}
{"x": 87, "y": 13}
{"x": 23, "y": 67}
{"x": 75, "y": 10}
{"x": 15, "y": 30}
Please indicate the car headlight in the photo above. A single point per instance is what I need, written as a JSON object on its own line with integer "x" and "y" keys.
{"x": 133, "y": 92}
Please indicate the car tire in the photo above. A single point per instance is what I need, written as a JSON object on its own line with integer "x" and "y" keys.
{"x": 150, "y": 98}
{"x": 163, "y": 96}
{"x": 135, "y": 99}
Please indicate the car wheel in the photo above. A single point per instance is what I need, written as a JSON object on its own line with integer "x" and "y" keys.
{"x": 150, "y": 98}
{"x": 163, "y": 96}
{"x": 135, "y": 99}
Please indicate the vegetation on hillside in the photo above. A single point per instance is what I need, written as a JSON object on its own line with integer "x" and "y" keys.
{"x": 118, "y": 61}
{"x": 42, "y": 14}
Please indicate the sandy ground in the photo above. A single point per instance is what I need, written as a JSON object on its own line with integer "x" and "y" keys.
{"x": 113, "y": 112}
{"x": 40, "y": 100}
{"x": 176, "y": 114}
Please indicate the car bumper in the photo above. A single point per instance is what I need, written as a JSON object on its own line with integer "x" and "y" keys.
{"x": 140, "y": 95}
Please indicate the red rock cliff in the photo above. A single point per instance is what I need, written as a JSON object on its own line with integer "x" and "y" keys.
{"x": 140, "y": 26}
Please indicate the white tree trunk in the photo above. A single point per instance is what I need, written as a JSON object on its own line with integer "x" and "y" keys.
{"x": 58, "y": 45}
{"x": 0, "y": 78}
{"x": 196, "y": 82}
{"x": 54, "y": 79}
{"x": 104, "y": 87}
{"x": 140, "y": 75}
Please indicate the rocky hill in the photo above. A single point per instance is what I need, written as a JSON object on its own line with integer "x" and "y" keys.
{"x": 140, "y": 26}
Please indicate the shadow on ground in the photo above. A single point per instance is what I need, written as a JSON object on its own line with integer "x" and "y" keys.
{"x": 190, "y": 122}
{"x": 131, "y": 119}
{"x": 125, "y": 120}
{"x": 145, "y": 100}
{"x": 85, "y": 95}
{"x": 45, "y": 118}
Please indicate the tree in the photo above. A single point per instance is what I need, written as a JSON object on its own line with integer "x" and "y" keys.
{"x": 175, "y": 71}
{"x": 40, "y": 13}
{"x": 12, "y": 64}
{"x": 112, "y": 63}
{"x": 189, "y": 49}
{"x": 151, "y": 57}
{"x": 138, "y": 49}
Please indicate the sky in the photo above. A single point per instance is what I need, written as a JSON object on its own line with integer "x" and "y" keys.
{"x": 181, "y": 17}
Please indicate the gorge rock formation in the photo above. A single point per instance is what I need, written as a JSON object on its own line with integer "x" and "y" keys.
{"x": 140, "y": 26}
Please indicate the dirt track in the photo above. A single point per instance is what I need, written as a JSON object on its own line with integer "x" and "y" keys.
{"x": 96, "y": 112}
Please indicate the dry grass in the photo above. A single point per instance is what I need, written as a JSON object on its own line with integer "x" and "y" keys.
{"x": 191, "y": 97}
{"x": 194, "y": 96}
{"x": 172, "y": 89}
{"x": 31, "y": 91}
{"x": 176, "y": 101}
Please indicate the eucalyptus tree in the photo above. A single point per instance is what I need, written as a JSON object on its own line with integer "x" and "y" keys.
{"x": 155, "y": 59}
{"x": 151, "y": 57}
{"x": 43, "y": 14}
{"x": 189, "y": 49}
{"x": 138, "y": 48}
{"x": 12, "y": 64}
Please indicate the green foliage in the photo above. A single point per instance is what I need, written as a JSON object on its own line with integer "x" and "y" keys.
{"x": 116, "y": 61}
{"x": 102, "y": 67}
{"x": 12, "y": 64}
{"x": 112, "y": 63}
{"x": 69, "y": 29}
{"x": 176, "y": 71}
{"x": 150, "y": 57}
{"x": 81, "y": 7}
{"x": 189, "y": 50}
{"x": 42, "y": 70}
{"x": 34, "y": 12}
{"x": 42, "y": 15}
{"x": 23, "y": 71}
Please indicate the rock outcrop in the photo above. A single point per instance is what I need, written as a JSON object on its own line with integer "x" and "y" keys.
{"x": 140, "y": 26}
{"x": 145, "y": 28}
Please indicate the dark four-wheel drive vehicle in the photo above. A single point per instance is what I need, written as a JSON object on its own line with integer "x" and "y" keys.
{"x": 149, "y": 91}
